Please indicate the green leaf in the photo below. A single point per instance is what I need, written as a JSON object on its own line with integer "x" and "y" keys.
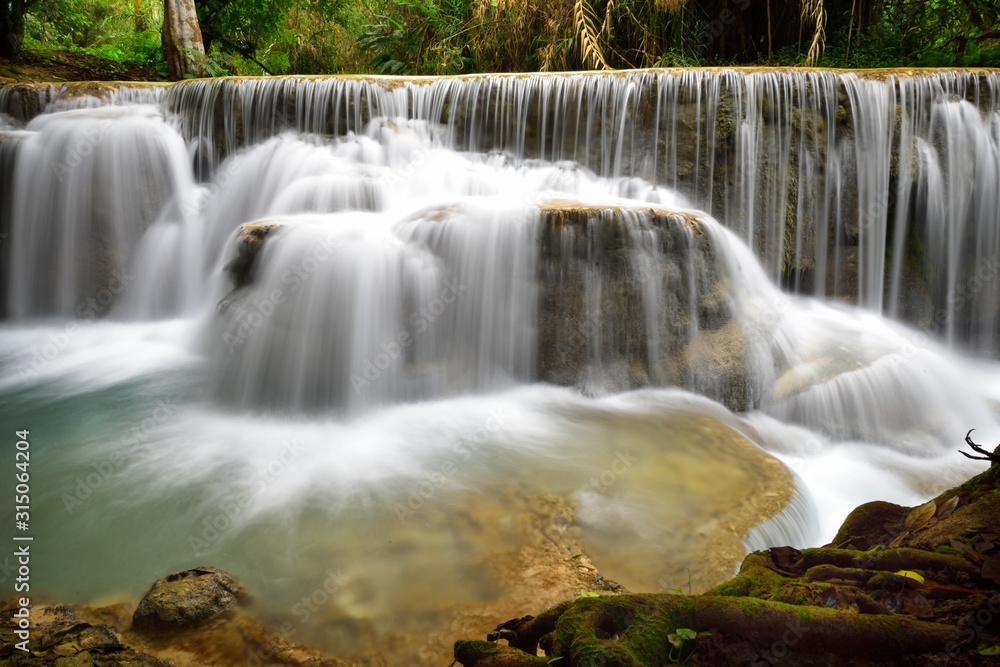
{"x": 686, "y": 633}
{"x": 988, "y": 650}
{"x": 589, "y": 594}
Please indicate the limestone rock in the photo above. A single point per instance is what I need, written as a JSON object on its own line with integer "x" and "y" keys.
{"x": 250, "y": 238}
{"x": 187, "y": 598}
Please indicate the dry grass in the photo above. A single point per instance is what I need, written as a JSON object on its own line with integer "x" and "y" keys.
{"x": 584, "y": 19}
{"x": 814, "y": 16}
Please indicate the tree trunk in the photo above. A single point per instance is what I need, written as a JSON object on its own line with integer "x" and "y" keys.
{"x": 182, "y": 38}
{"x": 11, "y": 27}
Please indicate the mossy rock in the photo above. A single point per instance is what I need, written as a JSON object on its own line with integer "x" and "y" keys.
{"x": 186, "y": 599}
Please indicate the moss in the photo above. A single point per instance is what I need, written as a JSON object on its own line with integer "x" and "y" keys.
{"x": 868, "y": 521}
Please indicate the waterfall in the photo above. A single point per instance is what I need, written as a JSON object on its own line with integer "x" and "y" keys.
{"x": 340, "y": 312}
{"x": 85, "y": 186}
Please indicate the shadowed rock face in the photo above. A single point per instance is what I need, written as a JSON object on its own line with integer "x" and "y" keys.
{"x": 634, "y": 297}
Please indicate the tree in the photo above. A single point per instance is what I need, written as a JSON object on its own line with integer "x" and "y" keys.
{"x": 11, "y": 27}
{"x": 182, "y": 38}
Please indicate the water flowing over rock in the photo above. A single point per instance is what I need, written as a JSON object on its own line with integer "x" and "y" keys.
{"x": 838, "y": 181}
{"x": 85, "y": 185}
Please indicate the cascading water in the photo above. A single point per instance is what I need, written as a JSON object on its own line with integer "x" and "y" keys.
{"x": 289, "y": 326}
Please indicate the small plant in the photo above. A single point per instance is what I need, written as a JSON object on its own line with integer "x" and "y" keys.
{"x": 682, "y": 644}
{"x": 208, "y": 63}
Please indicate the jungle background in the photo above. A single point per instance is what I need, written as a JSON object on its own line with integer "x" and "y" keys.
{"x": 121, "y": 38}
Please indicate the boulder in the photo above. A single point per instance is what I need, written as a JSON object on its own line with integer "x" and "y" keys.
{"x": 187, "y": 598}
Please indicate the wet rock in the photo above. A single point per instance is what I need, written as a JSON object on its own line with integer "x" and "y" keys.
{"x": 187, "y": 598}
{"x": 250, "y": 239}
{"x": 633, "y": 297}
{"x": 60, "y": 637}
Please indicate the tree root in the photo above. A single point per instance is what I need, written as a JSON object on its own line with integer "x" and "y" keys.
{"x": 631, "y": 630}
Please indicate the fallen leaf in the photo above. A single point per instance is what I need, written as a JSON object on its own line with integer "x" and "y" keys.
{"x": 589, "y": 594}
{"x": 988, "y": 650}
{"x": 991, "y": 568}
{"x": 785, "y": 556}
{"x": 913, "y": 602}
{"x": 966, "y": 550}
{"x": 947, "y": 508}
{"x": 919, "y": 517}
{"x": 985, "y": 546}
{"x": 958, "y": 546}
{"x": 899, "y": 540}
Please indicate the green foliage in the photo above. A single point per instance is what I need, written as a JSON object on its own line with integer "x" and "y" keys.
{"x": 938, "y": 33}
{"x": 121, "y": 30}
{"x": 417, "y": 37}
{"x": 266, "y": 34}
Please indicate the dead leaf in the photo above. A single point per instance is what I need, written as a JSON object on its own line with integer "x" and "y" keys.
{"x": 920, "y": 516}
{"x": 899, "y": 540}
{"x": 985, "y": 546}
{"x": 785, "y": 556}
{"x": 991, "y": 568}
{"x": 947, "y": 508}
{"x": 958, "y": 546}
{"x": 914, "y": 602}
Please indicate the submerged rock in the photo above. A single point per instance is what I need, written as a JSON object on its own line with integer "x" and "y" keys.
{"x": 187, "y": 598}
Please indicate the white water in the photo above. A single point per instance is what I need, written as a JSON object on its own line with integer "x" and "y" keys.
{"x": 386, "y": 353}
